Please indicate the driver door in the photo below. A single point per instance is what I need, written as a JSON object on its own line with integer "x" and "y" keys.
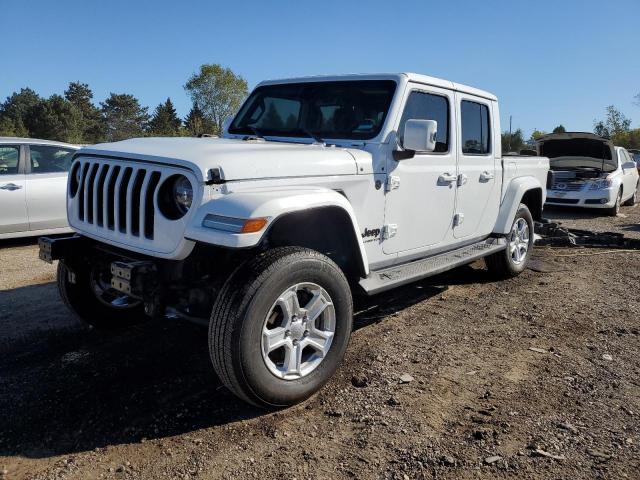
{"x": 419, "y": 205}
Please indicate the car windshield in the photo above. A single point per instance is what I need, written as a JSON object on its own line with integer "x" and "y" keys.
{"x": 353, "y": 109}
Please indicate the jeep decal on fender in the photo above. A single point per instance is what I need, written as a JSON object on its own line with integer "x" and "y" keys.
{"x": 369, "y": 235}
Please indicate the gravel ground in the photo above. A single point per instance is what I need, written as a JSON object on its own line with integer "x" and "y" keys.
{"x": 455, "y": 377}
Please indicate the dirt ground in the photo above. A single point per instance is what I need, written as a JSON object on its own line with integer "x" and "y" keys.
{"x": 536, "y": 377}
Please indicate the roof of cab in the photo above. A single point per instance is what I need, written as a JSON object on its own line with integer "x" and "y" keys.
{"x": 398, "y": 77}
{"x": 34, "y": 141}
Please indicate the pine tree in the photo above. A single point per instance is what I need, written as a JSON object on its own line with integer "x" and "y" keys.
{"x": 196, "y": 123}
{"x": 165, "y": 121}
{"x": 123, "y": 117}
{"x": 80, "y": 95}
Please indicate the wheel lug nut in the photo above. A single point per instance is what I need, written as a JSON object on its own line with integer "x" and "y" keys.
{"x": 288, "y": 333}
{"x": 295, "y": 342}
{"x": 306, "y": 333}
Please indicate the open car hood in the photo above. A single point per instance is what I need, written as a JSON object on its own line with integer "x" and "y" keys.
{"x": 578, "y": 149}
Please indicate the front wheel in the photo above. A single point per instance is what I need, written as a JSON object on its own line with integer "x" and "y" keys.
{"x": 513, "y": 260}
{"x": 280, "y": 326}
{"x": 633, "y": 199}
{"x": 613, "y": 211}
{"x": 92, "y": 299}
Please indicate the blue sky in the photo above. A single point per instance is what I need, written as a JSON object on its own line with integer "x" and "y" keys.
{"x": 549, "y": 62}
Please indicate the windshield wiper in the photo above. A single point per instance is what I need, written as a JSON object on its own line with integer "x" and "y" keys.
{"x": 315, "y": 136}
{"x": 256, "y": 132}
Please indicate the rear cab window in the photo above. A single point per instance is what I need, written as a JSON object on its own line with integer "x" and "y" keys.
{"x": 475, "y": 123}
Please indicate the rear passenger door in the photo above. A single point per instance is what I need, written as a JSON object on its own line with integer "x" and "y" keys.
{"x": 47, "y": 186}
{"x": 13, "y": 209}
{"x": 478, "y": 192}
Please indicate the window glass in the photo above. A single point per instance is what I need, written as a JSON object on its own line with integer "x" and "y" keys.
{"x": 475, "y": 128}
{"x": 426, "y": 106}
{"x": 49, "y": 159}
{"x": 9, "y": 157}
{"x": 332, "y": 110}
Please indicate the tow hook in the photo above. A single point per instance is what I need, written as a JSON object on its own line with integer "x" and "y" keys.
{"x": 139, "y": 280}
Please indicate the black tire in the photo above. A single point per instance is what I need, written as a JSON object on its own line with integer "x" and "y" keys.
{"x": 502, "y": 265}
{"x": 633, "y": 199}
{"x": 239, "y": 313}
{"x": 613, "y": 211}
{"x": 82, "y": 300}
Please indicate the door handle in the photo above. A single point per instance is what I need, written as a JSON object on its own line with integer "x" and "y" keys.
{"x": 10, "y": 186}
{"x": 484, "y": 176}
{"x": 447, "y": 178}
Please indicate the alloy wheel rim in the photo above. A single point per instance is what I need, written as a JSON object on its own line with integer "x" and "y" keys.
{"x": 298, "y": 331}
{"x": 519, "y": 239}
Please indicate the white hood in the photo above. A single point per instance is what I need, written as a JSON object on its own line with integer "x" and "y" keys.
{"x": 238, "y": 159}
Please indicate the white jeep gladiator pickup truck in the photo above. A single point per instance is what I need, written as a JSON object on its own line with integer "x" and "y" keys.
{"x": 322, "y": 187}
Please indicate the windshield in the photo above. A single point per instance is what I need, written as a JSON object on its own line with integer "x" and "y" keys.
{"x": 335, "y": 110}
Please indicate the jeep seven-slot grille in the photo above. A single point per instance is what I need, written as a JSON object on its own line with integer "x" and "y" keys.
{"x": 117, "y": 197}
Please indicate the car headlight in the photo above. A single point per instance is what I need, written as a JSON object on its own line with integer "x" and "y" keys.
{"x": 175, "y": 197}
{"x": 183, "y": 193}
{"x": 600, "y": 184}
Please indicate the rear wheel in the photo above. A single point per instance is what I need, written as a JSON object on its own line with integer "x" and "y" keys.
{"x": 613, "y": 211}
{"x": 513, "y": 260}
{"x": 92, "y": 299}
{"x": 281, "y": 326}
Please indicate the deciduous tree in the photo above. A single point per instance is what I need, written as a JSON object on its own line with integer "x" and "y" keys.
{"x": 512, "y": 142}
{"x": 614, "y": 125}
{"x": 218, "y": 92}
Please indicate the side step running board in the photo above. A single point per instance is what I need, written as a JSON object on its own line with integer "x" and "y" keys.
{"x": 385, "y": 279}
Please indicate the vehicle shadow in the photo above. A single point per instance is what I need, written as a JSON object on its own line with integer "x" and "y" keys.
{"x": 66, "y": 388}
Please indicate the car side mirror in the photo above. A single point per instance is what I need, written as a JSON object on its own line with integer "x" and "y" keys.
{"x": 420, "y": 135}
{"x": 629, "y": 166}
{"x": 226, "y": 123}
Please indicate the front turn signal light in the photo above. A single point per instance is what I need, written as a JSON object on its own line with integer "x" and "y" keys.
{"x": 253, "y": 225}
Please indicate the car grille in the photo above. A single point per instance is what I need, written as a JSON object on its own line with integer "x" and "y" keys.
{"x": 568, "y": 186}
{"x": 117, "y": 197}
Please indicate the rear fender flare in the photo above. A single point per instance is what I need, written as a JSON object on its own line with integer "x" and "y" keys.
{"x": 516, "y": 190}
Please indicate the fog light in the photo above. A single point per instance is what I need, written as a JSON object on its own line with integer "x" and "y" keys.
{"x": 603, "y": 200}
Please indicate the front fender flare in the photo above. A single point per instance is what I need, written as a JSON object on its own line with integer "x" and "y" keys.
{"x": 511, "y": 201}
{"x": 270, "y": 204}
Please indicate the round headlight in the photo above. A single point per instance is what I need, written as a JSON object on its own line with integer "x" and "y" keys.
{"x": 175, "y": 197}
{"x": 183, "y": 193}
